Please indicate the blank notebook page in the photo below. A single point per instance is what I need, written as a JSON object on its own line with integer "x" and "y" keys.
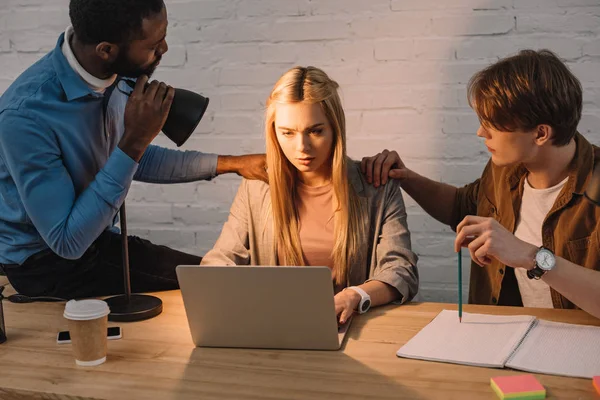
{"x": 559, "y": 349}
{"x": 480, "y": 340}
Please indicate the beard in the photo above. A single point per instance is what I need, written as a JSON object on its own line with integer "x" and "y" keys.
{"x": 123, "y": 66}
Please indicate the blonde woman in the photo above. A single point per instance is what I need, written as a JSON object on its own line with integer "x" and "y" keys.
{"x": 318, "y": 209}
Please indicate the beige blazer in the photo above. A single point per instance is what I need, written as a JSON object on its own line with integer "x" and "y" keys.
{"x": 247, "y": 236}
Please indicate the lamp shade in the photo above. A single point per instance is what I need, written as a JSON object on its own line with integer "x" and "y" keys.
{"x": 187, "y": 110}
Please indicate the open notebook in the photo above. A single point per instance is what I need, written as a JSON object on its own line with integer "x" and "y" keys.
{"x": 520, "y": 342}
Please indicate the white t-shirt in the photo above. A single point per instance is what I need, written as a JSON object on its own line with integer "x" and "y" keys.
{"x": 535, "y": 206}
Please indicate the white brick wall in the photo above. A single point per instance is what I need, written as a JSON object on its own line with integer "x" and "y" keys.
{"x": 402, "y": 64}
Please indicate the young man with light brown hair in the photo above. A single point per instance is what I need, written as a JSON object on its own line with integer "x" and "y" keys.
{"x": 532, "y": 235}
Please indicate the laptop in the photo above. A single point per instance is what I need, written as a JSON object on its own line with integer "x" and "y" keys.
{"x": 261, "y": 307}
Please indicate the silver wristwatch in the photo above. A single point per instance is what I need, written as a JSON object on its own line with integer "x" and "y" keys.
{"x": 544, "y": 262}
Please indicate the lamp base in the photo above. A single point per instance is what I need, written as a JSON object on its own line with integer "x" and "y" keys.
{"x": 139, "y": 307}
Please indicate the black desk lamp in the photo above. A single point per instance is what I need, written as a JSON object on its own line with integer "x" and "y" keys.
{"x": 185, "y": 114}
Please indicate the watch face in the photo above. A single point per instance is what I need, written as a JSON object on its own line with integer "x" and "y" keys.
{"x": 365, "y": 306}
{"x": 545, "y": 259}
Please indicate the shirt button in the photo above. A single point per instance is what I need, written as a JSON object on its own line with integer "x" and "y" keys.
{"x": 494, "y": 300}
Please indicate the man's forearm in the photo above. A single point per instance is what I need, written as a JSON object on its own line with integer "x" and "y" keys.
{"x": 249, "y": 166}
{"x": 227, "y": 164}
{"x": 578, "y": 284}
{"x": 436, "y": 198}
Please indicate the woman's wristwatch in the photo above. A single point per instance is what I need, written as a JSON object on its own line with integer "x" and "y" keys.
{"x": 365, "y": 299}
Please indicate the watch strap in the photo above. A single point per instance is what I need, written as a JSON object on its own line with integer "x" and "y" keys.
{"x": 364, "y": 298}
{"x": 363, "y": 294}
{"x": 536, "y": 272}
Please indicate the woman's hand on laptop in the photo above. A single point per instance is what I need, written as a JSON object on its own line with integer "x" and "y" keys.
{"x": 346, "y": 302}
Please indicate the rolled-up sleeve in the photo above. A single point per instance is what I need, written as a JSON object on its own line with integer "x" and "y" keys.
{"x": 465, "y": 203}
{"x": 161, "y": 165}
{"x": 467, "y": 198}
{"x": 396, "y": 263}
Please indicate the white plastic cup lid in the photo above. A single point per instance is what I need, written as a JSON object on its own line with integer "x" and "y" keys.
{"x": 82, "y": 310}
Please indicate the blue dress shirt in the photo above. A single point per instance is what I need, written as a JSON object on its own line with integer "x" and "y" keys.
{"x": 62, "y": 176}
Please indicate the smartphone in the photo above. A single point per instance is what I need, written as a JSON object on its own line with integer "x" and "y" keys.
{"x": 113, "y": 332}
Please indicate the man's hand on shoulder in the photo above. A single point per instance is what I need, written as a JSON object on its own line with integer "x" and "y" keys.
{"x": 382, "y": 166}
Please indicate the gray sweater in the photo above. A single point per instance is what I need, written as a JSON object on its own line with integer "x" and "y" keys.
{"x": 247, "y": 236}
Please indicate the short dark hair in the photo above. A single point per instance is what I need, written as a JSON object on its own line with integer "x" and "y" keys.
{"x": 114, "y": 21}
{"x": 526, "y": 90}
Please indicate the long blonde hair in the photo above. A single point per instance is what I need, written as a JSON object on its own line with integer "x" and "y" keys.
{"x": 311, "y": 85}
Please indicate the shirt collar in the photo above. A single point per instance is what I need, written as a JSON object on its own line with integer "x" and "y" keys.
{"x": 579, "y": 169}
{"x": 72, "y": 83}
{"x": 96, "y": 84}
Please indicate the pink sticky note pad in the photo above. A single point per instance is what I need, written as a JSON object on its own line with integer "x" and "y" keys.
{"x": 596, "y": 382}
{"x": 518, "y": 386}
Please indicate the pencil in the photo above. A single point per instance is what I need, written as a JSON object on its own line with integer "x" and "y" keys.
{"x": 460, "y": 285}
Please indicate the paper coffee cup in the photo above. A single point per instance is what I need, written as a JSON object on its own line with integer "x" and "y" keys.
{"x": 88, "y": 322}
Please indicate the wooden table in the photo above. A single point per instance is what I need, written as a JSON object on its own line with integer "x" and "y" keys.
{"x": 157, "y": 360}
